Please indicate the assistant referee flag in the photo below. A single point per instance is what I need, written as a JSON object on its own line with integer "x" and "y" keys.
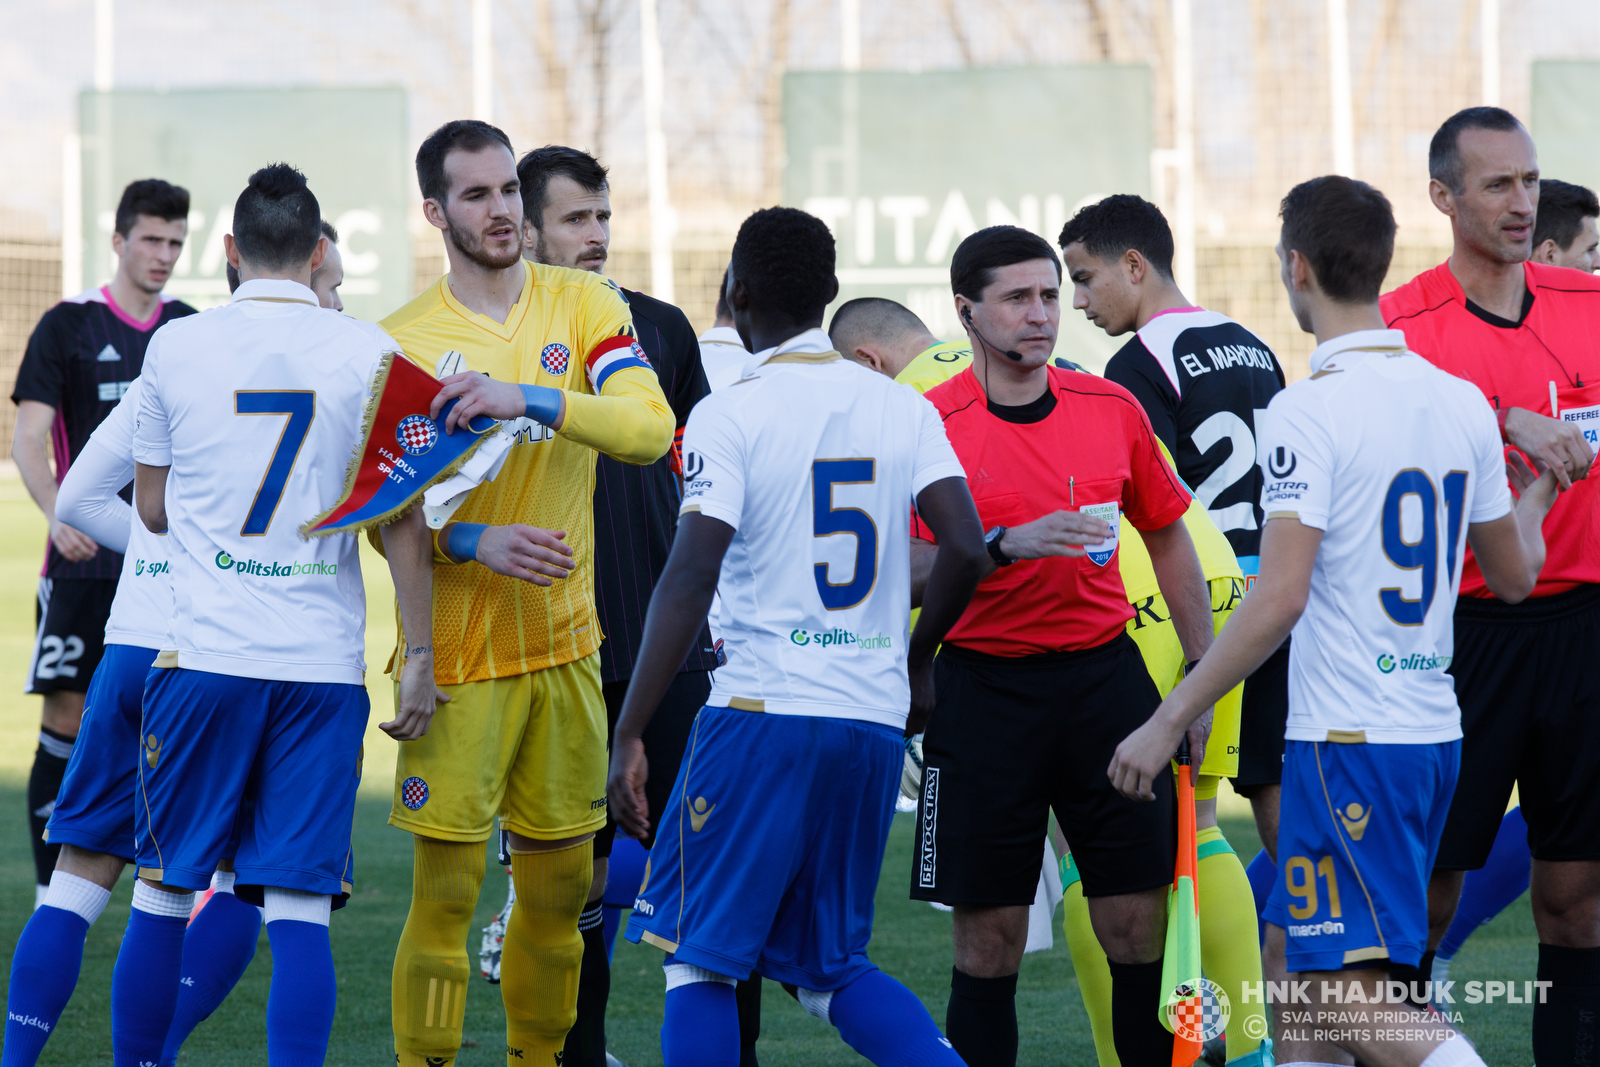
{"x": 1182, "y": 1008}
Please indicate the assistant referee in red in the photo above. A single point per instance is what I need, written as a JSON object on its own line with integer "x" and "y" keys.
{"x": 1038, "y": 682}
{"x": 1526, "y": 334}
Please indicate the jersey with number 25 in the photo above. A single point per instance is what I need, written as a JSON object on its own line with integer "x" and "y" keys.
{"x": 1392, "y": 459}
{"x": 257, "y": 407}
{"x": 815, "y": 462}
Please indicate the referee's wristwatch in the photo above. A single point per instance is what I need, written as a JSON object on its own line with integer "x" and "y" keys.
{"x": 991, "y": 541}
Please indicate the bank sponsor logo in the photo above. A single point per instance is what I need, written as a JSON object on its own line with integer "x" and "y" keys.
{"x": 1416, "y": 661}
{"x": 274, "y": 569}
{"x": 151, "y": 567}
{"x": 838, "y": 638}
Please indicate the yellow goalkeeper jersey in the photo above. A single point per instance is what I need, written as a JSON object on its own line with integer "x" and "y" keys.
{"x": 486, "y": 625}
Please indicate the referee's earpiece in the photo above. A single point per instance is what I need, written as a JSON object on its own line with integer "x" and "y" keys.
{"x": 966, "y": 316}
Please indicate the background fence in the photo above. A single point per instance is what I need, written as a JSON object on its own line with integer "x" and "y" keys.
{"x": 1259, "y": 94}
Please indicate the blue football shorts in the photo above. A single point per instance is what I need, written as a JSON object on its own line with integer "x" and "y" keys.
{"x": 1358, "y": 830}
{"x": 281, "y": 760}
{"x": 814, "y": 798}
{"x": 94, "y": 809}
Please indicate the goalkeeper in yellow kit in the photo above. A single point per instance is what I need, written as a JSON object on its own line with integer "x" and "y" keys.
{"x": 550, "y": 351}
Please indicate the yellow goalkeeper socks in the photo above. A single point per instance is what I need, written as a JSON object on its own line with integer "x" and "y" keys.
{"x": 430, "y": 964}
{"x": 1230, "y": 948}
{"x": 1088, "y": 962}
{"x": 543, "y": 952}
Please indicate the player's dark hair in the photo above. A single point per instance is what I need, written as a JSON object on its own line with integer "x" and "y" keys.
{"x": 464, "y": 135}
{"x": 1562, "y": 208}
{"x": 980, "y": 255}
{"x": 231, "y": 273}
{"x": 723, "y": 310}
{"x": 552, "y": 161}
{"x": 1345, "y": 229}
{"x": 153, "y": 197}
{"x": 329, "y": 232}
{"x": 1119, "y": 223}
{"x": 1444, "y": 151}
{"x": 785, "y": 259}
{"x": 276, "y": 220}
{"x": 871, "y": 318}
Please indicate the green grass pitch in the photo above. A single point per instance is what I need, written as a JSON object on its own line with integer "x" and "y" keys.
{"x": 911, "y": 941}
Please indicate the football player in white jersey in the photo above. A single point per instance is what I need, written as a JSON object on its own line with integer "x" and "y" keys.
{"x": 802, "y": 478}
{"x": 253, "y": 714}
{"x": 1380, "y": 468}
{"x": 93, "y": 818}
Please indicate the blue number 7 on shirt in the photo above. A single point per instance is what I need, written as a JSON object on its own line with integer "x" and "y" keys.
{"x": 301, "y": 407}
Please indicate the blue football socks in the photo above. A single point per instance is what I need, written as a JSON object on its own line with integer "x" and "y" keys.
{"x": 1262, "y": 872}
{"x": 44, "y": 970}
{"x": 623, "y": 878}
{"x": 144, "y": 984}
{"x": 886, "y": 1023}
{"x": 219, "y": 945}
{"x": 700, "y": 1025}
{"x": 1494, "y": 887}
{"x": 300, "y": 1005}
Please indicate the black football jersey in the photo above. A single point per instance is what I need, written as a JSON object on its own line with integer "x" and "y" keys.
{"x": 80, "y": 359}
{"x": 1201, "y": 378}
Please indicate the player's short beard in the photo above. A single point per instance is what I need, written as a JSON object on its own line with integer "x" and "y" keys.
{"x": 471, "y": 246}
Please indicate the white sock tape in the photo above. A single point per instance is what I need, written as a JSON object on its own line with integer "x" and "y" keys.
{"x": 295, "y": 905}
{"x": 817, "y": 1004}
{"x": 222, "y": 881}
{"x": 687, "y": 974}
{"x": 77, "y": 895}
{"x": 160, "y": 902}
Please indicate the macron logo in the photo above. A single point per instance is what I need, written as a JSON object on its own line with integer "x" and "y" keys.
{"x": 29, "y": 1020}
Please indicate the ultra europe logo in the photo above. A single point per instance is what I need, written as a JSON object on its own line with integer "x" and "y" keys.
{"x": 256, "y": 568}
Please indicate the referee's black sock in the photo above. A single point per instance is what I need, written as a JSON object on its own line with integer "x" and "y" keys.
{"x": 49, "y": 767}
{"x": 586, "y": 1041}
{"x": 747, "y": 994}
{"x": 981, "y": 1021}
{"x": 1140, "y": 1038}
{"x": 1566, "y": 1019}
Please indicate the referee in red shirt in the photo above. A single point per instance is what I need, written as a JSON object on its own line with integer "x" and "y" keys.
{"x": 1526, "y": 334}
{"x": 1038, "y": 682}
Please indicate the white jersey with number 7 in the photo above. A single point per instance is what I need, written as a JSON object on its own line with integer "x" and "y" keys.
{"x": 257, "y": 408}
{"x": 1392, "y": 459}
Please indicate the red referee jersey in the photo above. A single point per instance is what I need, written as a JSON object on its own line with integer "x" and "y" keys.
{"x": 1095, "y": 448}
{"x": 1557, "y": 341}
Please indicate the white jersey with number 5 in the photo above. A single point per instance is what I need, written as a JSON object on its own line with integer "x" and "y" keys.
{"x": 815, "y": 462}
{"x": 1392, "y": 459}
{"x": 257, "y": 408}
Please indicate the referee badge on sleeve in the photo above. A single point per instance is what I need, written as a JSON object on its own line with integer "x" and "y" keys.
{"x": 1100, "y": 554}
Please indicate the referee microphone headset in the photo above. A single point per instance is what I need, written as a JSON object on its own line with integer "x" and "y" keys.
{"x": 1013, "y": 356}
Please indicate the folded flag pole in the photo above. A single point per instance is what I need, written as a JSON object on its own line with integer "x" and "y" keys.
{"x": 1182, "y": 1007}
{"x": 403, "y": 451}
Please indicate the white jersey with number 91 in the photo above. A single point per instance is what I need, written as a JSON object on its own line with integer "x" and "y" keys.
{"x": 1392, "y": 459}
{"x": 815, "y": 462}
{"x": 257, "y": 408}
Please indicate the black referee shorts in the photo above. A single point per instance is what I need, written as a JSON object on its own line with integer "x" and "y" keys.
{"x": 664, "y": 741}
{"x": 1530, "y": 714}
{"x": 1262, "y": 722}
{"x": 1010, "y": 739}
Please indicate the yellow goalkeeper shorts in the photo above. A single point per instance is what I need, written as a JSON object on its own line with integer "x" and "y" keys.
{"x": 1152, "y": 630}
{"x": 530, "y": 748}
